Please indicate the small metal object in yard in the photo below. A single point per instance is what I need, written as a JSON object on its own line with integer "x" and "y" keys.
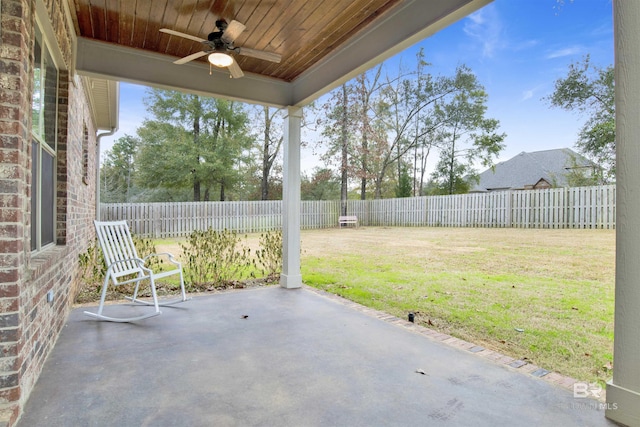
{"x": 412, "y": 317}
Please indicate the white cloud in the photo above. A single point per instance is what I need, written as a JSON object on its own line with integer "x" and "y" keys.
{"x": 527, "y": 94}
{"x": 524, "y": 45}
{"x": 530, "y": 93}
{"x": 485, "y": 27}
{"x": 567, "y": 51}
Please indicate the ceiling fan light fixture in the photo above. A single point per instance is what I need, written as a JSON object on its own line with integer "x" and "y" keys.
{"x": 220, "y": 59}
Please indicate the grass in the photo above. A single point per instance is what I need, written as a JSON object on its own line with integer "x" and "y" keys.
{"x": 546, "y": 296}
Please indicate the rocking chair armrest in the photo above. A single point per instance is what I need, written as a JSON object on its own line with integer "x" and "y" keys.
{"x": 172, "y": 259}
{"x": 139, "y": 261}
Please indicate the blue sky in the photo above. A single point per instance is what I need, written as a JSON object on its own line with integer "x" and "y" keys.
{"x": 517, "y": 48}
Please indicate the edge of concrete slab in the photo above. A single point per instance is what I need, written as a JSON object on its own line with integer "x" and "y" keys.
{"x": 517, "y": 365}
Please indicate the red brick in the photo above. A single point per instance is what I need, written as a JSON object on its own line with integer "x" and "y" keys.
{"x": 11, "y": 39}
{"x": 9, "y": 335}
{"x": 10, "y": 97}
{"x": 12, "y": 9}
{"x": 9, "y": 291}
{"x": 9, "y": 321}
{"x": 10, "y": 395}
{"x": 11, "y": 141}
{"x": 11, "y": 24}
{"x": 11, "y": 83}
{"x": 8, "y": 261}
{"x": 9, "y": 156}
{"x": 9, "y": 350}
{"x": 9, "y": 67}
{"x": 8, "y": 231}
{"x": 9, "y": 201}
{"x": 9, "y": 276}
{"x": 12, "y": 127}
{"x": 8, "y": 215}
{"x": 11, "y": 246}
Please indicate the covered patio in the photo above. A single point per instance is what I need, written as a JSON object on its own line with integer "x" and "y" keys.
{"x": 298, "y": 357}
{"x": 277, "y": 357}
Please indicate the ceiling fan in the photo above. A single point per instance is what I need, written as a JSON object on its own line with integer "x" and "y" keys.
{"x": 219, "y": 46}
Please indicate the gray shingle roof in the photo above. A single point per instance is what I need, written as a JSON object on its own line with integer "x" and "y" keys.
{"x": 526, "y": 169}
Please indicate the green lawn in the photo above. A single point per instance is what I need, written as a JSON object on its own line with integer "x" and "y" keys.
{"x": 546, "y": 296}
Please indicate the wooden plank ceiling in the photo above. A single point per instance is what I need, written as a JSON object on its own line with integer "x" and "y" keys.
{"x": 302, "y": 32}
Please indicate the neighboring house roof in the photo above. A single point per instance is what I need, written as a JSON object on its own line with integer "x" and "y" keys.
{"x": 527, "y": 169}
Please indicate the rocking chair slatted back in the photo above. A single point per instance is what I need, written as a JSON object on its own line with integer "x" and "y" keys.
{"x": 118, "y": 248}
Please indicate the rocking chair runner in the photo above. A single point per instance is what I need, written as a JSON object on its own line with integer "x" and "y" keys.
{"x": 124, "y": 266}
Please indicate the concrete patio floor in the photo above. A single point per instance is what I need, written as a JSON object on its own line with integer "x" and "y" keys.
{"x": 299, "y": 358}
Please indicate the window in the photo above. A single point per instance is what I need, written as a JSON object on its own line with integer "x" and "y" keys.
{"x": 44, "y": 113}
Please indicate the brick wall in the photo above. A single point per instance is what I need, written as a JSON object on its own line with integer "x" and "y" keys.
{"x": 29, "y": 325}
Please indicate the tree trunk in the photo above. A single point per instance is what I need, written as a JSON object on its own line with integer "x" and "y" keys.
{"x": 378, "y": 190}
{"x": 266, "y": 166}
{"x": 344, "y": 141}
{"x": 196, "y": 188}
{"x": 196, "y": 137}
{"x": 452, "y": 162}
{"x": 363, "y": 181}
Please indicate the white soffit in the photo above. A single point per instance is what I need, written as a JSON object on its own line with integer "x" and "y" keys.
{"x": 104, "y": 100}
{"x": 104, "y": 60}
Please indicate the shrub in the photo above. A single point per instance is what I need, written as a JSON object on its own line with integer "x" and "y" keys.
{"x": 215, "y": 258}
{"x": 270, "y": 254}
{"x": 93, "y": 269}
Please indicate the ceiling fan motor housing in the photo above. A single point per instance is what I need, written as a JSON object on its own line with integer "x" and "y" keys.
{"x": 215, "y": 41}
{"x": 215, "y": 38}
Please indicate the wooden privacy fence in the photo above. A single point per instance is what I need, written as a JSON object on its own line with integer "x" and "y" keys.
{"x": 580, "y": 207}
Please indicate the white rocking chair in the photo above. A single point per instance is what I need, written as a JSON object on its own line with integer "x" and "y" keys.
{"x": 124, "y": 264}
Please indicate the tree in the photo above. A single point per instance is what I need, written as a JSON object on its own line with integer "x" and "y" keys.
{"x": 272, "y": 138}
{"x": 322, "y": 185}
{"x": 366, "y": 106}
{"x": 194, "y": 141}
{"x": 465, "y": 136}
{"x": 589, "y": 91}
{"x": 338, "y": 124}
{"x": 412, "y": 114}
{"x": 405, "y": 186}
{"x": 118, "y": 170}
{"x": 579, "y": 175}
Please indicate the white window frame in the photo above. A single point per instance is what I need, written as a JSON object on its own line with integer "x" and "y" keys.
{"x": 38, "y": 140}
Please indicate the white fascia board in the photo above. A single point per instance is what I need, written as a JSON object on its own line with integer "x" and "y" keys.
{"x": 110, "y": 61}
{"x": 400, "y": 28}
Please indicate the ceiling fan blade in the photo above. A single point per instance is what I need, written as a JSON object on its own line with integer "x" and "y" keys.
{"x": 235, "y": 70}
{"x": 234, "y": 29}
{"x": 190, "y": 57}
{"x": 259, "y": 54}
{"x": 179, "y": 34}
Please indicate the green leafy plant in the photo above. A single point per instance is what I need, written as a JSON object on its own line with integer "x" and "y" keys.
{"x": 269, "y": 255}
{"x": 215, "y": 258}
{"x": 93, "y": 269}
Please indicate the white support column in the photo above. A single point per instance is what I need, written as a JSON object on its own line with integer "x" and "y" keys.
{"x": 623, "y": 391}
{"x": 291, "y": 277}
